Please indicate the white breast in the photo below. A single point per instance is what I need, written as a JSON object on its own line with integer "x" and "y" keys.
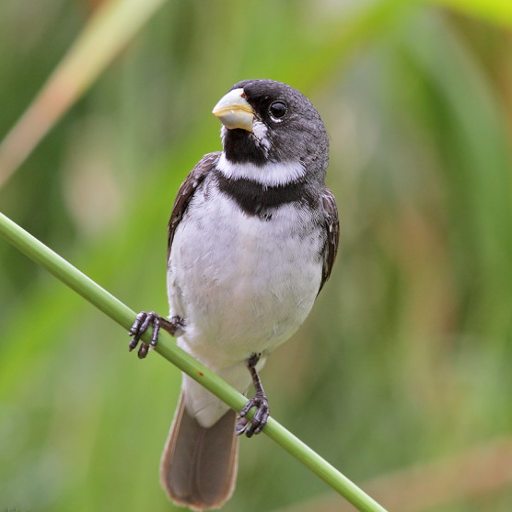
{"x": 243, "y": 285}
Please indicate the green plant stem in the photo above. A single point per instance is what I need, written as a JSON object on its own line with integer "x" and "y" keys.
{"x": 124, "y": 316}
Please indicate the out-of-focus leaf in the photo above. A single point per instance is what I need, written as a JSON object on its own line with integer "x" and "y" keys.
{"x": 495, "y": 11}
{"x": 112, "y": 26}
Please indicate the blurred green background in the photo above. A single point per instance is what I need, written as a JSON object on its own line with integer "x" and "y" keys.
{"x": 401, "y": 375}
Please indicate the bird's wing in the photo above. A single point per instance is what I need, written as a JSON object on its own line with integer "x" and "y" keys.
{"x": 186, "y": 192}
{"x": 332, "y": 227}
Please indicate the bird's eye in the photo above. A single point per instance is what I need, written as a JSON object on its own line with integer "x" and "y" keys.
{"x": 277, "y": 110}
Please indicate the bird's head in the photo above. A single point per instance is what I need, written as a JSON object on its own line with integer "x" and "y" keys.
{"x": 268, "y": 122}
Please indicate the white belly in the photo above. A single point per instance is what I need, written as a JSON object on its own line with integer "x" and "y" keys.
{"x": 241, "y": 284}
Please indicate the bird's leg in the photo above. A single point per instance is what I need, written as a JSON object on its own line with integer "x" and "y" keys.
{"x": 141, "y": 324}
{"x": 259, "y": 400}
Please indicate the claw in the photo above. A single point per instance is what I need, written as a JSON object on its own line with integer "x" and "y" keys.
{"x": 141, "y": 325}
{"x": 143, "y": 350}
{"x": 255, "y": 425}
{"x": 241, "y": 426}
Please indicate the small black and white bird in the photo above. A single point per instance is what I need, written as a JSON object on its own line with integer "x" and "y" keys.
{"x": 252, "y": 239}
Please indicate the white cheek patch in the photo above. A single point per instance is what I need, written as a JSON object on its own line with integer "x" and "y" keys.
{"x": 259, "y": 132}
{"x": 271, "y": 174}
{"x": 223, "y": 132}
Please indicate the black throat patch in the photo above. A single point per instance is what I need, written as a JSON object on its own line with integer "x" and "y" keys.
{"x": 259, "y": 200}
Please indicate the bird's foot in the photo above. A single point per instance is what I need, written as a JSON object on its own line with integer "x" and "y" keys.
{"x": 254, "y": 425}
{"x": 141, "y": 325}
{"x": 259, "y": 400}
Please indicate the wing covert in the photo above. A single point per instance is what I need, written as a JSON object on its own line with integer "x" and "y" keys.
{"x": 186, "y": 193}
{"x": 332, "y": 227}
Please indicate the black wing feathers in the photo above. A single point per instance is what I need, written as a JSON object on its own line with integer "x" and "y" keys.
{"x": 186, "y": 192}
{"x": 332, "y": 227}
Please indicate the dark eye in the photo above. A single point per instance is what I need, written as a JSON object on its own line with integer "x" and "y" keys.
{"x": 277, "y": 109}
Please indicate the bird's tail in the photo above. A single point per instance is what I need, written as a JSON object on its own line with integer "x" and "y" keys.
{"x": 199, "y": 464}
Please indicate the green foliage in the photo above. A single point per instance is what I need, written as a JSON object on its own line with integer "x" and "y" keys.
{"x": 405, "y": 357}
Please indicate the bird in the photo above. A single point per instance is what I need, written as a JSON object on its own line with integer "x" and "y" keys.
{"x": 252, "y": 239}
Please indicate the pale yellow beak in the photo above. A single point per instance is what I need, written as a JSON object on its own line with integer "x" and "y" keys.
{"x": 234, "y": 111}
